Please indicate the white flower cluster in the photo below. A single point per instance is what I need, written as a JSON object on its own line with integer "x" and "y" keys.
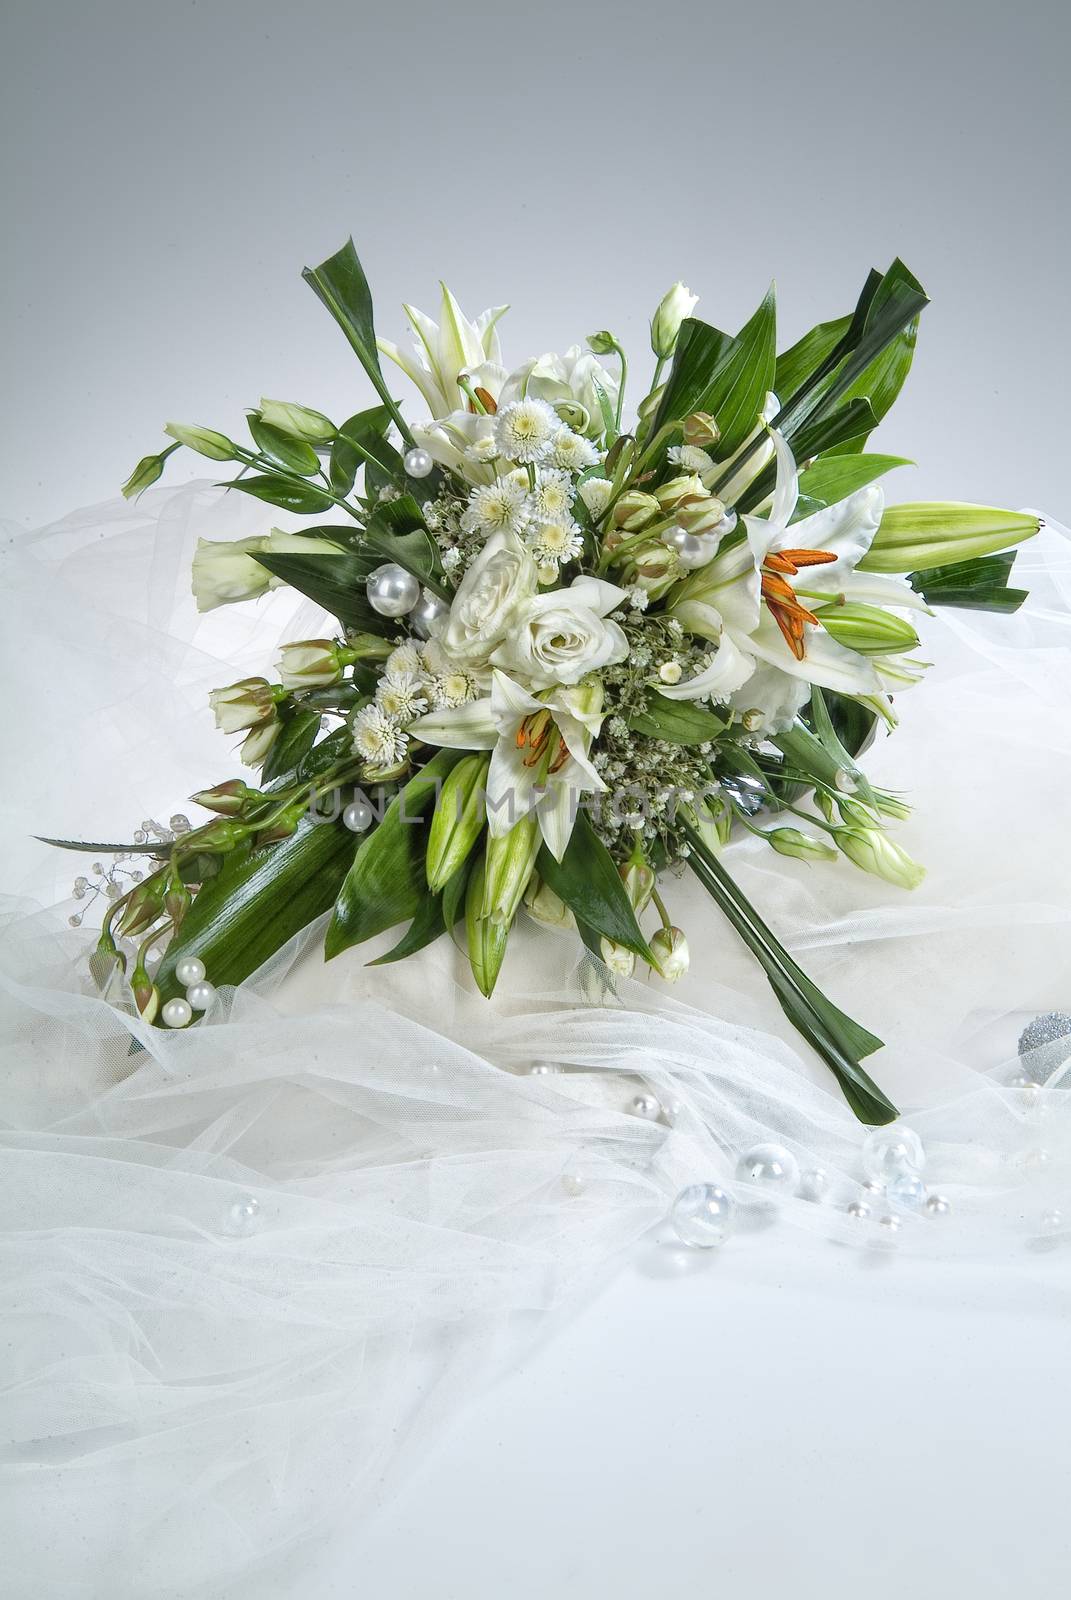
{"x": 416, "y": 678}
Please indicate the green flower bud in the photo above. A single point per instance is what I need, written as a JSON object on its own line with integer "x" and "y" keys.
{"x": 650, "y": 403}
{"x": 701, "y": 430}
{"x": 146, "y": 473}
{"x": 670, "y": 950}
{"x": 146, "y": 994}
{"x": 216, "y": 446}
{"x": 486, "y": 940}
{"x": 634, "y": 510}
{"x": 856, "y": 813}
{"x": 792, "y": 842}
{"x": 912, "y": 538}
{"x": 891, "y": 806}
{"x": 869, "y": 630}
{"x": 875, "y": 852}
{"x": 177, "y": 901}
{"x": 602, "y": 343}
{"x": 143, "y": 907}
{"x": 284, "y": 826}
{"x": 226, "y": 799}
{"x": 620, "y": 961}
{"x": 676, "y": 304}
{"x": 458, "y": 819}
{"x": 508, "y": 863}
{"x": 686, "y": 486}
{"x": 298, "y": 421}
{"x": 545, "y": 906}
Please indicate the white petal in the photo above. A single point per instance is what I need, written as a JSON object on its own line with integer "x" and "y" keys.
{"x": 486, "y": 327}
{"x": 787, "y": 491}
{"x": 557, "y": 815}
{"x": 778, "y": 695}
{"x": 848, "y": 529}
{"x": 460, "y": 343}
{"x": 468, "y": 727}
{"x": 577, "y": 742}
{"x": 509, "y": 702}
{"x": 826, "y": 663}
{"x": 595, "y": 594}
{"x": 511, "y": 788}
{"x": 415, "y": 373}
{"x": 729, "y": 669}
{"x": 873, "y": 589}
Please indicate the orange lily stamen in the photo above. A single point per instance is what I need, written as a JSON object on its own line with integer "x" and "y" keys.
{"x": 808, "y": 558}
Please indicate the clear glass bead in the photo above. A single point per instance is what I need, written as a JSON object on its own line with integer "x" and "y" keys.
{"x": 906, "y": 1191}
{"x": 703, "y": 1215}
{"x": 242, "y": 1216}
{"x": 888, "y": 1152}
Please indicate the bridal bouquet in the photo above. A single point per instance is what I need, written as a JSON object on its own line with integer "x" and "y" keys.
{"x": 573, "y": 652}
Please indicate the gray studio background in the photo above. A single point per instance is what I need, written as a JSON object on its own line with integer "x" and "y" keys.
{"x": 168, "y": 168}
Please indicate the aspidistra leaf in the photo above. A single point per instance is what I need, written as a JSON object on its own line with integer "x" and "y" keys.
{"x": 590, "y": 884}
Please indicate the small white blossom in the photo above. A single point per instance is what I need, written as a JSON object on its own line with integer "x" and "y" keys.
{"x": 690, "y": 457}
{"x": 452, "y": 689}
{"x": 525, "y": 429}
{"x": 499, "y": 507}
{"x": 571, "y": 451}
{"x": 377, "y": 739}
{"x": 404, "y": 661}
{"x": 483, "y": 449}
{"x": 638, "y": 598}
{"x": 595, "y": 493}
{"x": 552, "y": 498}
{"x": 401, "y": 696}
{"x": 556, "y": 541}
{"x": 451, "y": 559}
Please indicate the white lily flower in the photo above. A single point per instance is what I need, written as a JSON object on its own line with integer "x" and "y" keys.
{"x": 540, "y": 751}
{"x": 568, "y": 383}
{"x": 446, "y": 349}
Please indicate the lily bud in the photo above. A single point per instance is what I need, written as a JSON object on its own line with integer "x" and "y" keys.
{"x": 701, "y": 430}
{"x": 298, "y": 421}
{"x": 226, "y": 799}
{"x": 869, "y": 630}
{"x": 676, "y": 304}
{"x": 701, "y": 516}
{"x": 912, "y": 538}
{"x": 508, "y": 863}
{"x": 670, "y": 950}
{"x": 242, "y": 705}
{"x": 458, "y": 819}
{"x": 793, "y": 842}
{"x": 686, "y": 486}
{"x": 620, "y": 961}
{"x": 216, "y": 446}
{"x": 146, "y": 473}
{"x": 639, "y": 881}
{"x": 875, "y": 852}
{"x": 486, "y": 940}
{"x": 310, "y": 663}
{"x": 634, "y": 510}
{"x": 545, "y": 906}
{"x": 602, "y": 343}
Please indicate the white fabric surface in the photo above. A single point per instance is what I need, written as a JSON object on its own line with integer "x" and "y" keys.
{"x": 170, "y": 1371}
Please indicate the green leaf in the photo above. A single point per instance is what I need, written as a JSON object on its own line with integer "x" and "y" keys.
{"x": 157, "y": 849}
{"x": 396, "y": 529}
{"x": 336, "y": 582}
{"x": 980, "y": 585}
{"x": 293, "y": 744}
{"x": 293, "y": 455}
{"x": 340, "y": 284}
{"x": 361, "y": 441}
{"x": 258, "y": 902}
{"x": 590, "y": 884}
{"x": 701, "y": 353}
{"x": 386, "y": 883}
{"x": 805, "y": 357}
{"x": 834, "y": 477}
{"x": 728, "y": 377}
{"x": 425, "y": 928}
{"x": 851, "y": 421}
{"x": 677, "y": 721}
{"x": 301, "y": 498}
{"x": 606, "y": 410}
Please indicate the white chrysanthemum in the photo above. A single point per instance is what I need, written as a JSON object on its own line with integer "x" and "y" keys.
{"x": 402, "y": 696}
{"x": 377, "y": 739}
{"x": 524, "y": 430}
{"x": 483, "y": 449}
{"x": 595, "y": 493}
{"x": 571, "y": 451}
{"x": 690, "y": 457}
{"x": 556, "y": 541}
{"x": 452, "y": 689}
{"x": 552, "y": 498}
{"x": 404, "y": 661}
{"x": 499, "y": 507}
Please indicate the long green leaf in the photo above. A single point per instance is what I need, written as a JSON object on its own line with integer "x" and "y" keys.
{"x": 590, "y": 884}
{"x": 835, "y": 477}
{"x": 293, "y": 744}
{"x": 386, "y": 883}
{"x": 980, "y": 585}
{"x": 293, "y": 455}
{"x": 258, "y": 902}
{"x": 336, "y": 582}
{"x": 728, "y": 377}
{"x": 340, "y": 283}
{"x": 362, "y": 440}
{"x": 302, "y": 498}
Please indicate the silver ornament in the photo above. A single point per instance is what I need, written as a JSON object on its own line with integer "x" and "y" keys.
{"x": 1045, "y": 1045}
{"x": 391, "y": 590}
{"x": 427, "y": 614}
{"x": 417, "y": 462}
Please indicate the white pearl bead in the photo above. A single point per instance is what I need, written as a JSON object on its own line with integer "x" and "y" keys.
{"x": 191, "y": 969}
{"x": 937, "y": 1206}
{"x": 814, "y": 1185}
{"x": 358, "y": 816}
{"x": 417, "y": 462}
{"x": 392, "y": 591}
{"x": 693, "y": 549}
{"x": 573, "y": 1183}
{"x": 201, "y": 995}
{"x": 859, "y": 1211}
{"x": 242, "y": 1216}
{"x": 428, "y": 613}
{"x": 703, "y": 1215}
{"x": 542, "y": 1069}
{"x": 887, "y": 1152}
{"x": 177, "y": 1013}
{"x": 772, "y": 1167}
{"x": 645, "y": 1105}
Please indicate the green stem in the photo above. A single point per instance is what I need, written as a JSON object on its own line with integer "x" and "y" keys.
{"x": 263, "y": 465}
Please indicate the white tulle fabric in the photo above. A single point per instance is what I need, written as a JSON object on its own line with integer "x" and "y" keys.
{"x": 246, "y": 1266}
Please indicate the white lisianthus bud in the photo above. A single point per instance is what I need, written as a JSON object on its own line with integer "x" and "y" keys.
{"x": 225, "y": 571}
{"x": 547, "y": 907}
{"x": 617, "y": 958}
{"x": 216, "y": 446}
{"x": 243, "y": 704}
{"x": 226, "y": 799}
{"x": 670, "y": 950}
{"x": 701, "y": 516}
{"x": 701, "y": 430}
{"x": 639, "y": 881}
{"x": 634, "y": 510}
{"x": 298, "y": 421}
{"x": 602, "y": 343}
{"x": 793, "y": 842}
{"x": 258, "y": 742}
{"x": 676, "y": 304}
{"x": 310, "y": 663}
{"x": 875, "y": 852}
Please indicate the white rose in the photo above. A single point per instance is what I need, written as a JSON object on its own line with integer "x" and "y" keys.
{"x": 567, "y": 380}
{"x": 225, "y": 571}
{"x": 501, "y": 578}
{"x": 561, "y": 636}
